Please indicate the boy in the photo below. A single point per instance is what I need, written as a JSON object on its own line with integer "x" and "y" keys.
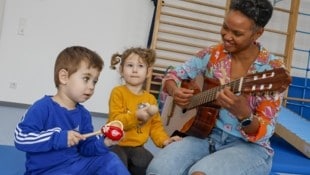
{"x": 51, "y": 131}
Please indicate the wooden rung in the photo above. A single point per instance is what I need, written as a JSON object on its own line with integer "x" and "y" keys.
{"x": 175, "y": 24}
{"x": 157, "y": 77}
{"x": 282, "y": 9}
{"x": 191, "y": 18}
{"x": 192, "y": 10}
{"x": 224, "y": 8}
{"x": 154, "y": 91}
{"x": 188, "y": 35}
{"x": 155, "y": 83}
{"x": 276, "y": 31}
{"x": 206, "y": 4}
{"x": 177, "y": 60}
{"x": 180, "y": 42}
{"x": 159, "y": 66}
{"x": 157, "y": 74}
{"x": 174, "y": 50}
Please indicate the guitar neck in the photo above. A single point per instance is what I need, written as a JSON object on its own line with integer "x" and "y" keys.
{"x": 277, "y": 79}
{"x": 210, "y": 94}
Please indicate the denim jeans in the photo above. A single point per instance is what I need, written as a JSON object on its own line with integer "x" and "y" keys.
{"x": 232, "y": 156}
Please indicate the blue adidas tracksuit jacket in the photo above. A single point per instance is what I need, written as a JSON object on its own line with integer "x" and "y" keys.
{"x": 42, "y": 134}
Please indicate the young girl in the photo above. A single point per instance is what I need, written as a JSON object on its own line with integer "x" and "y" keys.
{"x": 126, "y": 104}
{"x": 52, "y": 130}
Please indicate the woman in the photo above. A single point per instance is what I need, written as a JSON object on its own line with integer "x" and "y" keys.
{"x": 239, "y": 142}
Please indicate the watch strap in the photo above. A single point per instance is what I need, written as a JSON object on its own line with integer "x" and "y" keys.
{"x": 247, "y": 121}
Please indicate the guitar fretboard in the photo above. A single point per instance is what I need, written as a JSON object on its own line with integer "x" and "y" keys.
{"x": 262, "y": 82}
{"x": 210, "y": 94}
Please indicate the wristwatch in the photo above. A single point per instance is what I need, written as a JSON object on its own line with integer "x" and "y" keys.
{"x": 247, "y": 121}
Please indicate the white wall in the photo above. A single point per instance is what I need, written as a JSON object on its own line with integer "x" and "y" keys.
{"x": 35, "y": 31}
{"x": 2, "y": 4}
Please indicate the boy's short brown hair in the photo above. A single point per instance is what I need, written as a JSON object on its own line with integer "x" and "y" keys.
{"x": 71, "y": 57}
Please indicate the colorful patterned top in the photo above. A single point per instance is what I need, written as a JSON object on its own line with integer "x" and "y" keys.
{"x": 215, "y": 62}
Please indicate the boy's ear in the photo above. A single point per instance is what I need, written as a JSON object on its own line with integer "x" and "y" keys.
{"x": 63, "y": 76}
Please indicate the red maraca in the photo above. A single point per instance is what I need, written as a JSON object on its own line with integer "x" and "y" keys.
{"x": 112, "y": 130}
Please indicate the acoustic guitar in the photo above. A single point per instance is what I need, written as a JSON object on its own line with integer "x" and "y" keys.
{"x": 206, "y": 113}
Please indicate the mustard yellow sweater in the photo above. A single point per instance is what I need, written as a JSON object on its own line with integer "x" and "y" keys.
{"x": 123, "y": 105}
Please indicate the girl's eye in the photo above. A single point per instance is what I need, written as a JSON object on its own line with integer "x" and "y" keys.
{"x": 141, "y": 65}
{"x": 86, "y": 79}
{"x": 129, "y": 65}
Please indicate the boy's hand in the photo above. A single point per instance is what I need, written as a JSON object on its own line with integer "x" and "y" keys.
{"x": 74, "y": 138}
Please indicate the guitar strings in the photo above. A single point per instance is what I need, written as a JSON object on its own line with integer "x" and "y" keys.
{"x": 210, "y": 94}
{"x": 263, "y": 89}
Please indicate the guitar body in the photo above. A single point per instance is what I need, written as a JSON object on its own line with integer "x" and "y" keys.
{"x": 197, "y": 122}
{"x": 202, "y": 123}
{"x": 176, "y": 120}
{"x": 173, "y": 117}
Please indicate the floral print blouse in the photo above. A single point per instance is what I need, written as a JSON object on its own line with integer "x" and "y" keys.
{"x": 215, "y": 62}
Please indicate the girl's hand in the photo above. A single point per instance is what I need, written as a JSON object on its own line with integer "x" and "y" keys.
{"x": 145, "y": 111}
{"x": 142, "y": 115}
{"x": 172, "y": 139}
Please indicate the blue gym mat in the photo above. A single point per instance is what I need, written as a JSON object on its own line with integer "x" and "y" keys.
{"x": 287, "y": 159}
{"x": 12, "y": 161}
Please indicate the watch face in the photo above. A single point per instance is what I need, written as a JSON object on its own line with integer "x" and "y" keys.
{"x": 246, "y": 122}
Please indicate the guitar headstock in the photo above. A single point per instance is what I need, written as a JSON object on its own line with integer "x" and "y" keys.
{"x": 275, "y": 80}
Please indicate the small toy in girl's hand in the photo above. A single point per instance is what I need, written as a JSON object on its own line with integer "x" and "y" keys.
{"x": 145, "y": 111}
{"x": 113, "y": 130}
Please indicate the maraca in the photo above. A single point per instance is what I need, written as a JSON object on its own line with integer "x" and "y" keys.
{"x": 145, "y": 111}
{"x": 112, "y": 130}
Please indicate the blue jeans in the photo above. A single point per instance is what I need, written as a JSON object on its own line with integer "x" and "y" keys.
{"x": 232, "y": 156}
